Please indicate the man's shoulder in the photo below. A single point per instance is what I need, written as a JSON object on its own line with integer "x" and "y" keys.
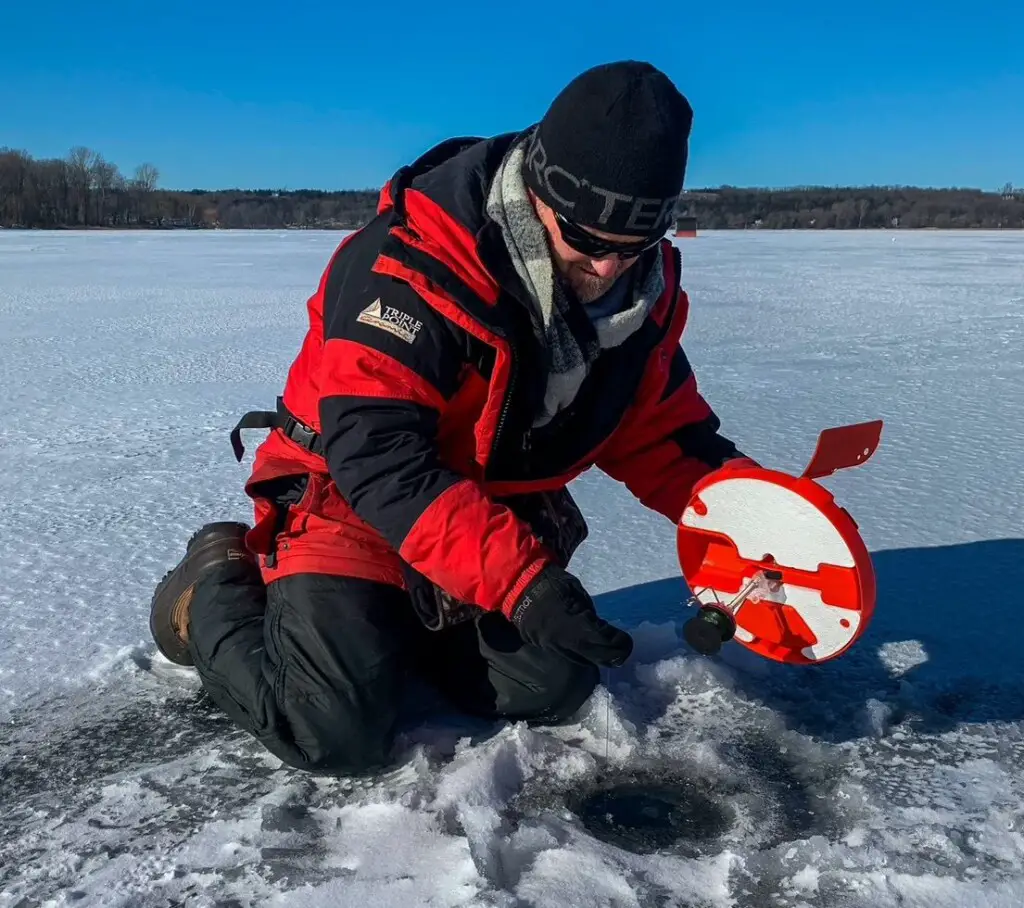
{"x": 382, "y": 310}
{"x": 459, "y": 184}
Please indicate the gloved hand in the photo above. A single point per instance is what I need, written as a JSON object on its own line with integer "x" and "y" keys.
{"x": 555, "y": 612}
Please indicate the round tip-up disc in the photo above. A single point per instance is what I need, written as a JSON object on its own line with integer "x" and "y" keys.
{"x": 741, "y": 521}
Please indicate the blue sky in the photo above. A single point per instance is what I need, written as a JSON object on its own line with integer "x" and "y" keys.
{"x": 337, "y": 95}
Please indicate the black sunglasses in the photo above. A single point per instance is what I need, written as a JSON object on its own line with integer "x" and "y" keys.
{"x": 585, "y": 243}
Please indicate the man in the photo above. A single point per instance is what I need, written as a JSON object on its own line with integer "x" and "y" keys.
{"x": 510, "y": 318}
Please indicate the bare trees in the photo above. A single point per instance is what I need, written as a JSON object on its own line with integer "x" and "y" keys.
{"x": 14, "y": 174}
{"x": 146, "y": 177}
{"x": 823, "y": 208}
{"x": 84, "y": 189}
{"x": 81, "y": 190}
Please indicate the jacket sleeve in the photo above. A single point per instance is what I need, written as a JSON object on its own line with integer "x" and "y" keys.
{"x": 390, "y": 366}
{"x": 670, "y": 437}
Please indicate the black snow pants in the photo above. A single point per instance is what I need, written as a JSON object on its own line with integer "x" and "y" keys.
{"x": 314, "y": 666}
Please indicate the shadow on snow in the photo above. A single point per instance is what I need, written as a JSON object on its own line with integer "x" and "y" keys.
{"x": 941, "y": 649}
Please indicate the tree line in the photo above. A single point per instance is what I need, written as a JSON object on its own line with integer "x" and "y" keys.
{"x": 84, "y": 189}
{"x": 856, "y": 208}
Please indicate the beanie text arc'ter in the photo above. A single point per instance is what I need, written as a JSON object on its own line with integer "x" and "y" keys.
{"x": 610, "y": 152}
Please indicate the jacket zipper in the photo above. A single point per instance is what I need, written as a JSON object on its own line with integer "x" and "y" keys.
{"x": 505, "y": 407}
{"x": 670, "y": 315}
{"x": 527, "y": 441}
{"x": 589, "y": 456}
{"x": 527, "y": 444}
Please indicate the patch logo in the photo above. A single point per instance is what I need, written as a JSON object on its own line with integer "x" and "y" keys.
{"x": 391, "y": 320}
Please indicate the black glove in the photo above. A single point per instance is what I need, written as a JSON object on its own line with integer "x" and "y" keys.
{"x": 555, "y": 612}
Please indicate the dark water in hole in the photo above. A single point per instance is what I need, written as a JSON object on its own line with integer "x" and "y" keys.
{"x": 762, "y": 796}
{"x": 648, "y": 809}
{"x": 646, "y": 815}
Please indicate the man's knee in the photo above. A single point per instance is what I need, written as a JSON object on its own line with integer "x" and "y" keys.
{"x": 338, "y": 656}
{"x": 360, "y": 751}
{"x": 311, "y": 665}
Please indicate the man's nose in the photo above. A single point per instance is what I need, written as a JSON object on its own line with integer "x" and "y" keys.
{"x": 606, "y": 267}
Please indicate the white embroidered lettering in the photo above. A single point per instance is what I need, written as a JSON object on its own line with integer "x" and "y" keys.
{"x": 390, "y": 319}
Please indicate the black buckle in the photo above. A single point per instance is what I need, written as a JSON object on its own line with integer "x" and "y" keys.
{"x": 297, "y": 431}
{"x": 300, "y": 433}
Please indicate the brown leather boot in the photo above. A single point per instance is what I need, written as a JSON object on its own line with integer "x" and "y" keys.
{"x": 211, "y": 546}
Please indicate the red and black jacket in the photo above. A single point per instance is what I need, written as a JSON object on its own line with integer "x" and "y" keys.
{"x": 420, "y": 373}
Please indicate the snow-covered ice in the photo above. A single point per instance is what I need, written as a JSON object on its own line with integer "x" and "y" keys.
{"x": 893, "y": 776}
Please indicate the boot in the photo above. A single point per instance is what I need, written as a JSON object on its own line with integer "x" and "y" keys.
{"x": 211, "y": 546}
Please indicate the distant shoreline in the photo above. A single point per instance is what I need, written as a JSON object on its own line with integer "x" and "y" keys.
{"x": 85, "y": 190}
{"x": 147, "y": 228}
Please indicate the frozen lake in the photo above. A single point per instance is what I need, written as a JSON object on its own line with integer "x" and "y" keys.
{"x": 894, "y": 776}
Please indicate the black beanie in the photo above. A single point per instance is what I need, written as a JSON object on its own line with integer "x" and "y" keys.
{"x": 610, "y": 153}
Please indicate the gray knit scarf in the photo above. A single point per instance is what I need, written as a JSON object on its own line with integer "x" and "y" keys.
{"x": 570, "y": 355}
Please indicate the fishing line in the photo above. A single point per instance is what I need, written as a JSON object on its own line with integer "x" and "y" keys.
{"x": 607, "y": 710}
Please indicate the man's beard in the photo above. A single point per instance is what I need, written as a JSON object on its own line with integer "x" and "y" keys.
{"x": 587, "y": 287}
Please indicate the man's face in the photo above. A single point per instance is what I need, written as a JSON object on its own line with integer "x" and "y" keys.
{"x": 589, "y": 277}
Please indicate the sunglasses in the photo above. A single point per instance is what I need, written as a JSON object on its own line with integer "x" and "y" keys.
{"x": 585, "y": 243}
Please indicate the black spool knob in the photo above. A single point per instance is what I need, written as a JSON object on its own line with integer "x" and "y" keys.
{"x": 709, "y": 629}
